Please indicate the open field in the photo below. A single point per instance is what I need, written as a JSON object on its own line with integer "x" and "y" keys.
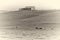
{"x": 21, "y": 25}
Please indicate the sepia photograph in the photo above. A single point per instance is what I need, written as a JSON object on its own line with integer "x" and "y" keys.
{"x": 29, "y": 19}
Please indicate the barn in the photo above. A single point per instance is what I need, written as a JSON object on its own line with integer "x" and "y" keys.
{"x": 28, "y": 8}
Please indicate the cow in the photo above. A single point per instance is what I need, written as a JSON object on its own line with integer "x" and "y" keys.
{"x": 37, "y": 28}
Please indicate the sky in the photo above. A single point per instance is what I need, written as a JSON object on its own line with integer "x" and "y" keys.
{"x": 39, "y": 4}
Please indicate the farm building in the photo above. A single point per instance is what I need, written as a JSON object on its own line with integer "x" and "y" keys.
{"x": 28, "y": 8}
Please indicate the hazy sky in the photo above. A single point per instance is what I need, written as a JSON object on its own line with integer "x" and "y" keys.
{"x": 39, "y": 4}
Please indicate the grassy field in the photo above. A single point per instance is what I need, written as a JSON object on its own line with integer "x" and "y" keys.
{"x": 21, "y": 25}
